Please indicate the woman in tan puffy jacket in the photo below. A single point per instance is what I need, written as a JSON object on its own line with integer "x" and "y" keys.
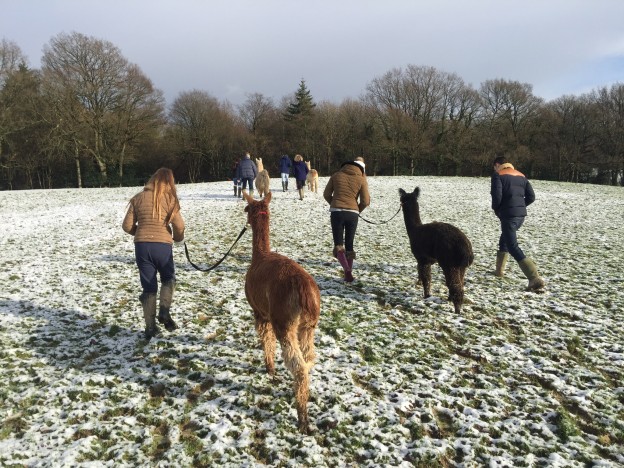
{"x": 154, "y": 219}
{"x": 347, "y": 195}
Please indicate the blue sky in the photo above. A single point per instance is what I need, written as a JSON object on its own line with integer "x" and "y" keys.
{"x": 232, "y": 48}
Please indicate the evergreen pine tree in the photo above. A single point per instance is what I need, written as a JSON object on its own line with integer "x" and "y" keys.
{"x": 303, "y": 105}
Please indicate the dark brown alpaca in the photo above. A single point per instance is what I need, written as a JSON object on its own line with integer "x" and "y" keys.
{"x": 286, "y": 303}
{"x": 437, "y": 242}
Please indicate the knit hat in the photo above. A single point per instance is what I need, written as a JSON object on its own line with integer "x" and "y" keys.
{"x": 360, "y": 162}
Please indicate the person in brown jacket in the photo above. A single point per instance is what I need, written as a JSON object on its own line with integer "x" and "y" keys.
{"x": 347, "y": 195}
{"x": 154, "y": 219}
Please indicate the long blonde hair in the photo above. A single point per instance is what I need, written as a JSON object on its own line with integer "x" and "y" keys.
{"x": 163, "y": 185}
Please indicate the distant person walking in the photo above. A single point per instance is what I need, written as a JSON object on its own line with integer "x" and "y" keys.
{"x": 246, "y": 172}
{"x": 511, "y": 193}
{"x": 301, "y": 172}
{"x": 154, "y": 219}
{"x": 235, "y": 180}
{"x": 347, "y": 195}
{"x": 285, "y": 164}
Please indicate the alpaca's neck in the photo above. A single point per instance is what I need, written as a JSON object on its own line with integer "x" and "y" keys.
{"x": 412, "y": 218}
{"x": 261, "y": 239}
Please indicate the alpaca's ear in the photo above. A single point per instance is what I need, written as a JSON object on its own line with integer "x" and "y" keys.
{"x": 267, "y": 197}
{"x": 247, "y": 197}
{"x": 417, "y": 191}
{"x": 402, "y": 192}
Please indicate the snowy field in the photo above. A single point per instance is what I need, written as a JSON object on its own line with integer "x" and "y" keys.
{"x": 518, "y": 379}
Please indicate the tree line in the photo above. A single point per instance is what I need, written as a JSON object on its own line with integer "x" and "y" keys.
{"x": 88, "y": 117}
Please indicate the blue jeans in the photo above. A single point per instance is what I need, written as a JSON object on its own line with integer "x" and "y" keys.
{"x": 344, "y": 224}
{"x": 152, "y": 258}
{"x": 508, "y": 241}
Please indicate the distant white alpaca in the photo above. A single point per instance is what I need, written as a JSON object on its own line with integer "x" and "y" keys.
{"x": 312, "y": 178}
{"x": 263, "y": 181}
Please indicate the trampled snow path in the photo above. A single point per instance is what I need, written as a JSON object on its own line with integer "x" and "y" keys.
{"x": 518, "y": 379}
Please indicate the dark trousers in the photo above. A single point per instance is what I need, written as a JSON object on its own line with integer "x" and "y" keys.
{"x": 300, "y": 184}
{"x": 508, "y": 241}
{"x": 245, "y": 181}
{"x": 153, "y": 258}
{"x": 344, "y": 224}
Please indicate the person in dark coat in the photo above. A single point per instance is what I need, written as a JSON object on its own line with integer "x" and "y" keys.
{"x": 301, "y": 172}
{"x": 235, "y": 178}
{"x": 246, "y": 173}
{"x": 511, "y": 193}
{"x": 285, "y": 164}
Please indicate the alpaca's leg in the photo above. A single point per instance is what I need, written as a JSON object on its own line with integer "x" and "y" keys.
{"x": 302, "y": 394}
{"x": 267, "y": 340}
{"x": 293, "y": 359}
{"x": 424, "y": 276}
{"x": 454, "y": 282}
{"x": 306, "y": 343}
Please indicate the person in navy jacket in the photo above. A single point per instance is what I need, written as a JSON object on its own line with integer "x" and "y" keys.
{"x": 301, "y": 172}
{"x": 246, "y": 172}
{"x": 511, "y": 193}
{"x": 285, "y": 164}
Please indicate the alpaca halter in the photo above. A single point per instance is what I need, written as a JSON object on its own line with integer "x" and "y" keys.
{"x": 263, "y": 212}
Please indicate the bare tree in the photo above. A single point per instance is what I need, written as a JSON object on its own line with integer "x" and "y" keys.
{"x": 412, "y": 106}
{"x": 11, "y": 58}
{"x": 508, "y": 106}
{"x": 610, "y": 102}
{"x": 103, "y": 101}
{"x": 259, "y": 114}
{"x": 139, "y": 112}
{"x": 198, "y": 126}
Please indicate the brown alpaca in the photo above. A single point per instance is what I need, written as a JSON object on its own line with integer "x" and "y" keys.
{"x": 262, "y": 181}
{"x": 312, "y": 178}
{"x": 286, "y": 303}
{"x": 437, "y": 242}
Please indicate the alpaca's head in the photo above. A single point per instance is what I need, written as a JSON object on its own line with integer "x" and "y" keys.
{"x": 257, "y": 208}
{"x": 308, "y": 165}
{"x": 409, "y": 199}
{"x": 259, "y": 164}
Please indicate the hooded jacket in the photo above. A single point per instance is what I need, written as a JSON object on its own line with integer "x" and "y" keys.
{"x": 285, "y": 164}
{"x": 511, "y": 192}
{"x": 347, "y": 189}
{"x": 145, "y": 228}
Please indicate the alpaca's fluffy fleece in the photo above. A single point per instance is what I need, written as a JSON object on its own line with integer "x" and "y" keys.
{"x": 263, "y": 180}
{"x": 286, "y": 304}
{"x": 312, "y": 178}
{"x": 440, "y": 243}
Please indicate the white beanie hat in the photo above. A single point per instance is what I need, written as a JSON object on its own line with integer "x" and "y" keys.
{"x": 361, "y": 164}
